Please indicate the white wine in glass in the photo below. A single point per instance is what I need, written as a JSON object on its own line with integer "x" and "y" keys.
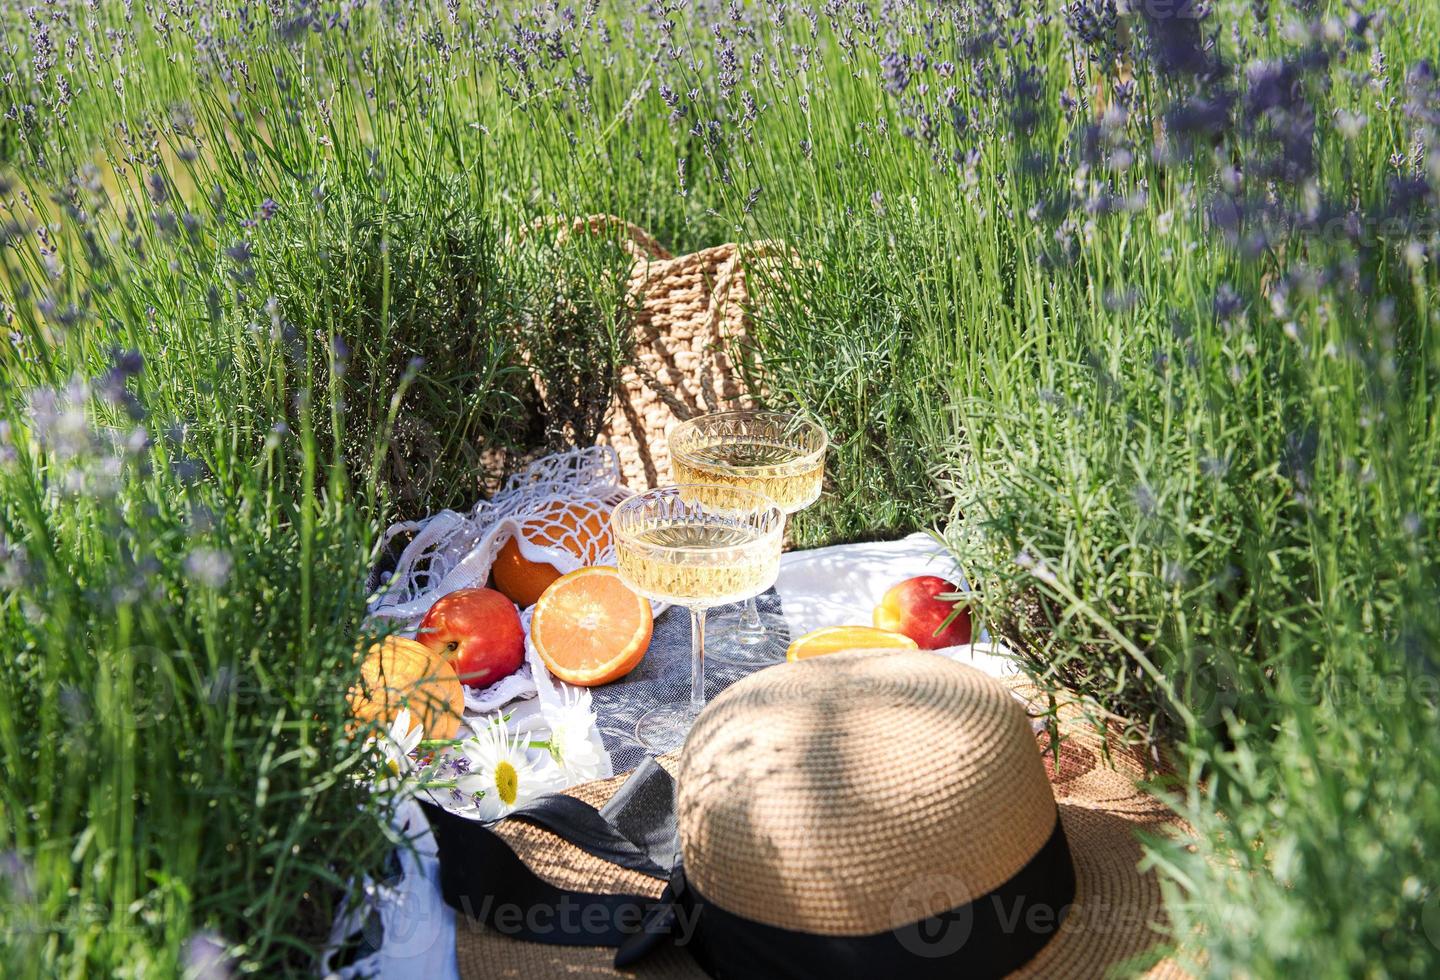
{"x": 672, "y": 545}
{"x": 787, "y": 475}
{"x": 777, "y": 454}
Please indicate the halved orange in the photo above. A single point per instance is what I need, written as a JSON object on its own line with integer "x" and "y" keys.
{"x": 589, "y": 628}
{"x": 563, "y": 524}
{"x": 836, "y": 639}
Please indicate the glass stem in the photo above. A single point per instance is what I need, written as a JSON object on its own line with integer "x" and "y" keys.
{"x": 697, "y": 657}
{"x": 750, "y": 618}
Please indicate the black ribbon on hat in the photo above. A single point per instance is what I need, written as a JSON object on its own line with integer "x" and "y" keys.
{"x": 482, "y": 878}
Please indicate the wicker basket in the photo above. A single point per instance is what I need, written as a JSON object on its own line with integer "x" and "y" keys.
{"x": 691, "y": 315}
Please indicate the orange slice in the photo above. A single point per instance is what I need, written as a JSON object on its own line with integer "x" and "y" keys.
{"x": 589, "y": 628}
{"x": 560, "y": 524}
{"x": 836, "y": 639}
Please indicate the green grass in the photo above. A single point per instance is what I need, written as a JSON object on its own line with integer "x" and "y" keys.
{"x": 1190, "y": 463}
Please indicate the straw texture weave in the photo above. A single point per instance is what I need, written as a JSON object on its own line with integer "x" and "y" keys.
{"x": 873, "y": 795}
{"x": 691, "y": 316}
{"x": 877, "y": 711}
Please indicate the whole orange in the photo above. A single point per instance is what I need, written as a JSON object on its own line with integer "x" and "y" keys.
{"x": 398, "y": 673}
{"x": 580, "y": 527}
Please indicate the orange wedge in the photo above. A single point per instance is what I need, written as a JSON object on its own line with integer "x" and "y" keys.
{"x": 836, "y": 639}
{"x": 589, "y": 628}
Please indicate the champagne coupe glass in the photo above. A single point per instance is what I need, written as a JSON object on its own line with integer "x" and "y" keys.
{"x": 696, "y": 546}
{"x": 779, "y": 454}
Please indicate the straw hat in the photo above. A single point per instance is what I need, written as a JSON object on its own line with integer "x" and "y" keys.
{"x": 867, "y": 803}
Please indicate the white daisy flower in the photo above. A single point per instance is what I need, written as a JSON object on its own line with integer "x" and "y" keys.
{"x": 398, "y": 745}
{"x": 500, "y": 775}
{"x": 571, "y": 722}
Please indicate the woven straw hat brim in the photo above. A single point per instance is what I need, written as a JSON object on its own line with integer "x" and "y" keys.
{"x": 1112, "y": 929}
{"x": 483, "y": 954}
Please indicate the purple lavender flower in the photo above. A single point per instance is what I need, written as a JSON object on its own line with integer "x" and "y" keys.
{"x": 206, "y": 956}
{"x": 1201, "y": 115}
{"x": 14, "y": 567}
{"x": 16, "y": 876}
{"x": 1227, "y": 304}
{"x": 111, "y": 386}
{"x": 895, "y": 71}
{"x": 241, "y": 255}
{"x": 159, "y": 192}
{"x": 127, "y": 363}
{"x": 1095, "y": 25}
{"x": 1271, "y": 85}
{"x": 209, "y": 566}
{"x": 1176, "y": 44}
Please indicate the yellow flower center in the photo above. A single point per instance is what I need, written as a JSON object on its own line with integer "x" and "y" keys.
{"x": 507, "y": 782}
{"x": 394, "y": 766}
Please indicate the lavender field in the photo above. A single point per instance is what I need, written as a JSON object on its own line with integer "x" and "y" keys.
{"x": 1134, "y": 303}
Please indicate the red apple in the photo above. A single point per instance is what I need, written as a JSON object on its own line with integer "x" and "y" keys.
{"x": 478, "y": 631}
{"x": 911, "y": 608}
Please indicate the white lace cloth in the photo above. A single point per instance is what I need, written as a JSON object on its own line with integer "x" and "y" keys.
{"x": 545, "y": 508}
{"x": 823, "y": 587}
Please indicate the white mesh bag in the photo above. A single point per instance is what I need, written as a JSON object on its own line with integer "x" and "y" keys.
{"x": 537, "y": 506}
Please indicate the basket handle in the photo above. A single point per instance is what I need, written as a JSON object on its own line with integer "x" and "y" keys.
{"x": 639, "y": 243}
{"x": 719, "y": 297}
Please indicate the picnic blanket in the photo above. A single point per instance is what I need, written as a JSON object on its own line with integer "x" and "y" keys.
{"x": 405, "y": 919}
